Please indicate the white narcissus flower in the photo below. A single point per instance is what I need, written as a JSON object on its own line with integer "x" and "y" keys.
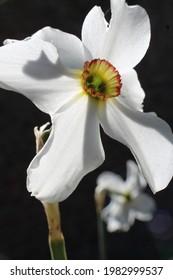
{"x": 127, "y": 199}
{"x": 83, "y": 84}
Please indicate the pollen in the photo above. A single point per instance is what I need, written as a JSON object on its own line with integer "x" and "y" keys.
{"x": 100, "y": 79}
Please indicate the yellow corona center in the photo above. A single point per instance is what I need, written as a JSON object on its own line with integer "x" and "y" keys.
{"x": 100, "y": 79}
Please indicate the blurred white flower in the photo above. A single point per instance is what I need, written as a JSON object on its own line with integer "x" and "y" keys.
{"x": 83, "y": 84}
{"x": 127, "y": 199}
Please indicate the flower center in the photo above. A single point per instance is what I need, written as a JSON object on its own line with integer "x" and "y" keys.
{"x": 100, "y": 79}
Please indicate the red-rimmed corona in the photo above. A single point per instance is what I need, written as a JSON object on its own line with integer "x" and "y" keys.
{"x": 100, "y": 79}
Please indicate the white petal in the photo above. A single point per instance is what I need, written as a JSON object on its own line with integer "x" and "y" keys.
{"x": 73, "y": 149}
{"x": 69, "y": 47}
{"x": 144, "y": 207}
{"x": 93, "y": 34}
{"x": 128, "y": 36}
{"x": 113, "y": 225}
{"x": 12, "y": 41}
{"x": 127, "y": 217}
{"x": 134, "y": 171}
{"x": 110, "y": 182}
{"x": 112, "y": 210}
{"x": 116, "y": 225}
{"x": 149, "y": 138}
{"x": 134, "y": 179}
{"x": 132, "y": 94}
{"x": 33, "y": 69}
{"x": 113, "y": 215}
{"x": 118, "y": 216}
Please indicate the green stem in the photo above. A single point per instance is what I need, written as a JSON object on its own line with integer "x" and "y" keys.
{"x": 56, "y": 238}
{"x": 101, "y": 238}
{"x": 99, "y": 201}
{"x": 57, "y": 250}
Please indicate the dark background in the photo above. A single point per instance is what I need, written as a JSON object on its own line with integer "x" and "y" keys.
{"x": 23, "y": 227}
